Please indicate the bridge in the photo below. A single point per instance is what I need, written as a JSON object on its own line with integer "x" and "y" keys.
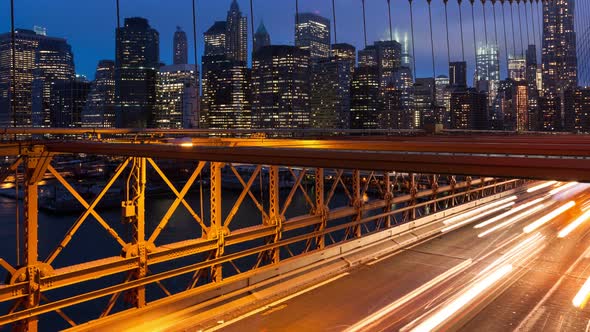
{"x": 362, "y": 199}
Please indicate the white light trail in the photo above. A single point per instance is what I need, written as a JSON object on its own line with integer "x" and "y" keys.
{"x": 541, "y": 186}
{"x": 575, "y": 224}
{"x": 453, "y": 307}
{"x": 408, "y": 297}
{"x": 519, "y": 252}
{"x": 548, "y": 217}
{"x": 513, "y": 220}
{"x": 509, "y": 213}
{"x": 562, "y": 188}
{"x": 450, "y": 228}
{"x": 582, "y": 296}
{"x": 478, "y": 210}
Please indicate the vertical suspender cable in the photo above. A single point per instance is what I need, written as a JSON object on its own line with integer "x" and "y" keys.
{"x": 485, "y": 24}
{"x": 118, "y": 15}
{"x": 534, "y": 28}
{"x": 390, "y": 25}
{"x": 296, "y": 14}
{"x": 461, "y": 26}
{"x": 520, "y": 28}
{"x": 495, "y": 24}
{"x": 505, "y": 38}
{"x": 474, "y": 38}
{"x": 197, "y": 87}
{"x": 252, "y": 24}
{"x": 334, "y": 17}
{"x": 413, "y": 42}
{"x": 526, "y": 23}
{"x": 512, "y": 24}
{"x": 13, "y": 67}
{"x": 447, "y": 28}
{"x": 431, "y": 39}
{"x": 364, "y": 22}
{"x": 541, "y": 24}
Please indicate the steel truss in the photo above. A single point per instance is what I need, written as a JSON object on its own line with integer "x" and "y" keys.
{"x": 375, "y": 201}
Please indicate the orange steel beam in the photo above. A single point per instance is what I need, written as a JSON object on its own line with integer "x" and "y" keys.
{"x": 474, "y": 159}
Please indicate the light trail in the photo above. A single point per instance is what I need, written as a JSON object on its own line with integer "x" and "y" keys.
{"x": 581, "y": 298}
{"x": 552, "y": 215}
{"x": 509, "y": 213}
{"x": 453, "y": 307}
{"x": 450, "y": 228}
{"x": 525, "y": 249}
{"x": 575, "y": 224}
{"x": 480, "y": 209}
{"x": 513, "y": 220}
{"x": 562, "y": 188}
{"x": 541, "y": 186}
{"x": 408, "y": 297}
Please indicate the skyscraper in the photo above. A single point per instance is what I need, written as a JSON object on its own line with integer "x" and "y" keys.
{"x": 389, "y": 58}
{"x": 99, "y": 111}
{"x": 404, "y": 83}
{"x": 280, "y": 88}
{"x": 330, "y": 93}
{"x": 469, "y": 110}
{"x": 458, "y": 74}
{"x": 488, "y": 70}
{"x": 177, "y": 104}
{"x": 365, "y": 105}
{"x": 226, "y": 93}
{"x": 137, "y": 64}
{"x": 67, "y": 101}
{"x": 40, "y": 60}
{"x": 312, "y": 33}
{"x": 180, "y": 51}
{"x": 424, "y": 100}
{"x": 443, "y": 98}
{"x": 215, "y": 39}
{"x": 559, "y": 46}
{"x": 517, "y": 68}
{"x": 236, "y": 42}
{"x": 261, "y": 37}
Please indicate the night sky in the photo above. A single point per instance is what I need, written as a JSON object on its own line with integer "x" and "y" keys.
{"x": 89, "y": 25}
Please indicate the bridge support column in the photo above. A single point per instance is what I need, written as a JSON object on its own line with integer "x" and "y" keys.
{"x": 387, "y": 196}
{"x": 320, "y": 207}
{"x": 216, "y": 229}
{"x": 357, "y": 201}
{"x": 413, "y": 192}
{"x": 134, "y": 215}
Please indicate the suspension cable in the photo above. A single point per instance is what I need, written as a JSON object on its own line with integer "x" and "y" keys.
{"x": 297, "y": 13}
{"x": 390, "y": 25}
{"x": 485, "y": 24}
{"x": 334, "y": 17}
{"x": 13, "y": 69}
{"x": 364, "y": 23}
{"x": 505, "y": 38}
{"x": 118, "y": 15}
{"x": 495, "y": 24}
{"x": 413, "y": 43}
{"x": 512, "y": 24}
{"x": 534, "y": 29}
{"x": 252, "y": 24}
{"x": 541, "y": 23}
{"x": 461, "y": 25}
{"x": 474, "y": 38}
{"x": 194, "y": 14}
{"x": 431, "y": 39}
{"x": 447, "y": 28}
{"x": 526, "y": 22}
{"x": 520, "y": 28}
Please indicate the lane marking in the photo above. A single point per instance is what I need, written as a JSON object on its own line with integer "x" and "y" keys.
{"x": 273, "y": 304}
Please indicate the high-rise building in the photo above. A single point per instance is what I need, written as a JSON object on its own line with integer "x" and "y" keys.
{"x": 520, "y": 106}
{"x": 177, "y": 104}
{"x": 261, "y": 37}
{"x": 404, "y": 83}
{"x": 424, "y": 100}
{"x": 487, "y": 73}
{"x": 136, "y": 67}
{"x": 581, "y": 105}
{"x": 99, "y": 111}
{"x": 458, "y": 74}
{"x": 389, "y": 58}
{"x": 281, "y": 88}
{"x": 551, "y": 117}
{"x": 517, "y": 68}
{"x": 226, "y": 93}
{"x": 345, "y": 52}
{"x": 443, "y": 98}
{"x": 312, "y": 33}
{"x": 368, "y": 57}
{"x": 392, "y": 111}
{"x": 67, "y": 101}
{"x": 469, "y": 110}
{"x": 365, "y": 105}
{"x": 215, "y": 39}
{"x": 236, "y": 39}
{"x": 180, "y": 51}
{"x": 533, "y": 91}
{"x": 40, "y": 61}
{"x": 330, "y": 93}
{"x": 559, "y": 58}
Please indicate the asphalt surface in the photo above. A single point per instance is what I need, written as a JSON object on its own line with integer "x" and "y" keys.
{"x": 535, "y": 295}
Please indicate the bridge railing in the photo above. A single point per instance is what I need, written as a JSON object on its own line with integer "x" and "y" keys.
{"x": 237, "y": 218}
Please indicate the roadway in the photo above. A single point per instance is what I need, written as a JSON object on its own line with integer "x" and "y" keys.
{"x": 527, "y": 281}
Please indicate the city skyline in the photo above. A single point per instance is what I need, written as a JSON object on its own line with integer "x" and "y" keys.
{"x": 96, "y": 43}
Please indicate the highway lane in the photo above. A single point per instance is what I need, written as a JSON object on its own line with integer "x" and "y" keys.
{"x": 512, "y": 301}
